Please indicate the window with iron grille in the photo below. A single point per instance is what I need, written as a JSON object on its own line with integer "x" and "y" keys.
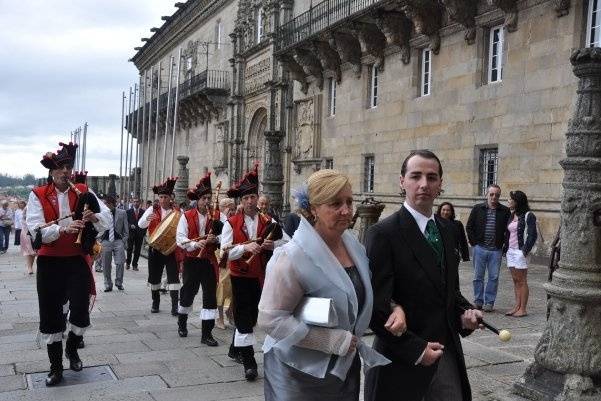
{"x": 332, "y": 98}
{"x": 426, "y": 80}
{"x": 593, "y": 32}
{"x": 495, "y": 54}
{"x": 369, "y": 171}
{"x": 373, "y": 87}
{"x": 489, "y": 165}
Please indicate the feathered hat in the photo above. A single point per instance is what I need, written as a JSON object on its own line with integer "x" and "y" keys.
{"x": 202, "y": 188}
{"x": 65, "y": 156}
{"x": 165, "y": 188}
{"x": 249, "y": 184}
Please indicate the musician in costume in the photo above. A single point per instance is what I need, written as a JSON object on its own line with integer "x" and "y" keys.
{"x": 246, "y": 273}
{"x": 151, "y": 219}
{"x": 63, "y": 270}
{"x": 197, "y": 235}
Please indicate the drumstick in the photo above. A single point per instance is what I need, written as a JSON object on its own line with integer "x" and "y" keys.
{"x": 504, "y": 335}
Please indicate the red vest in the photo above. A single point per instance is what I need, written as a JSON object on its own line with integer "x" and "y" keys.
{"x": 239, "y": 267}
{"x": 154, "y": 223}
{"x": 193, "y": 232}
{"x": 65, "y": 244}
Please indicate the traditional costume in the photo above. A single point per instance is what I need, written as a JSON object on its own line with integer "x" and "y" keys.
{"x": 200, "y": 264}
{"x": 156, "y": 260}
{"x": 63, "y": 271}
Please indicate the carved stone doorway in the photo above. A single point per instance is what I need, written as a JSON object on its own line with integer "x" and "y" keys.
{"x": 256, "y": 140}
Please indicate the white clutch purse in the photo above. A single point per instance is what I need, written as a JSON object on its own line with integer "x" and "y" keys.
{"x": 317, "y": 312}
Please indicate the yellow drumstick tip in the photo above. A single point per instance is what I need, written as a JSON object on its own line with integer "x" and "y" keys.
{"x": 504, "y": 335}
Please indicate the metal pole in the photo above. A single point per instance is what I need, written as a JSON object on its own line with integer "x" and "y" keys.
{"x": 125, "y": 182}
{"x": 85, "y": 145}
{"x": 148, "y": 131}
{"x": 156, "y": 126}
{"x": 131, "y": 143}
{"x": 179, "y": 65}
{"x": 167, "y": 117}
{"x": 144, "y": 156}
{"x": 136, "y": 183}
{"x": 122, "y": 123}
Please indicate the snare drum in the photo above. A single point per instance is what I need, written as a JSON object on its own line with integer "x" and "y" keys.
{"x": 163, "y": 238}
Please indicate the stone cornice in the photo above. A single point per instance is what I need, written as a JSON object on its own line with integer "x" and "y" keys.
{"x": 180, "y": 25}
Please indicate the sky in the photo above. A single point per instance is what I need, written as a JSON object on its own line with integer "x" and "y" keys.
{"x": 63, "y": 63}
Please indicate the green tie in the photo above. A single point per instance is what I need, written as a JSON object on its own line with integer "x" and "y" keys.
{"x": 435, "y": 240}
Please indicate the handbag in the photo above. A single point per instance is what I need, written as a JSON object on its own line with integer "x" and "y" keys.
{"x": 317, "y": 312}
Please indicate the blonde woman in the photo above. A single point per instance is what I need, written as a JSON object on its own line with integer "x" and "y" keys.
{"x": 324, "y": 260}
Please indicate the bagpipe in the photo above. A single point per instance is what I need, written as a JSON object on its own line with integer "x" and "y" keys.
{"x": 216, "y": 223}
{"x": 86, "y": 238}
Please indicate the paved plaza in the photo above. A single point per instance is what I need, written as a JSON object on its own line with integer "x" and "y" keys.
{"x": 139, "y": 355}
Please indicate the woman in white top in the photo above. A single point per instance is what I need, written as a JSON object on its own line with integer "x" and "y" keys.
{"x": 304, "y": 362}
{"x": 520, "y": 237}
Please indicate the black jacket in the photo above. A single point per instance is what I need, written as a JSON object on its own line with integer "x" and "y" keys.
{"x": 526, "y": 240}
{"x": 404, "y": 270}
{"x": 476, "y": 224}
{"x": 461, "y": 239}
{"x": 132, "y": 221}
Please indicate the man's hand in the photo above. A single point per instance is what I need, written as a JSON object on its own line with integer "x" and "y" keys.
{"x": 151, "y": 217}
{"x": 89, "y": 216}
{"x": 353, "y": 346}
{"x": 74, "y": 227}
{"x": 267, "y": 245}
{"x": 201, "y": 244}
{"x": 396, "y": 323}
{"x": 432, "y": 353}
{"x": 253, "y": 248}
{"x": 470, "y": 319}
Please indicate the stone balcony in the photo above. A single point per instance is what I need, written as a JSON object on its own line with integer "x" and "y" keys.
{"x": 200, "y": 98}
{"x": 335, "y": 32}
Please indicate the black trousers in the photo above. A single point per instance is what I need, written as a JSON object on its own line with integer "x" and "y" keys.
{"x": 246, "y": 293}
{"x": 156, "y": 263}
{"x": 134, "y": 245}
{"x": 17, "y": 236}
{"x": 198, "y": 272}
{"x": 59, "y": 279}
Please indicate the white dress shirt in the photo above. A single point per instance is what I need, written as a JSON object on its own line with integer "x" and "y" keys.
{"x": 420, "y": 219}
{"x": 182, "y": 232}
{"x": 227, "y": 236}
{"x": 143, "y": 223}
{"x": 35, "y": 216}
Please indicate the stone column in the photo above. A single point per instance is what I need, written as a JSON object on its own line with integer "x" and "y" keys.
{"x": 369, "y": 211}
{"x": 567, "y": 360}
{"x": 273, "y": 177}
{"x": 137, "y": 178}
{"x": 112, "y": 189}
{"x": 181, "y": 186}
{"x": 94, "y": 184}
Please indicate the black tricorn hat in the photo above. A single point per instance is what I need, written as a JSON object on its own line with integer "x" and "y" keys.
{"x": 249, "y": 184}
{"x": 64, "y": 156}
{"x": 165, "y": 188}
{"x": 202, "y": 188}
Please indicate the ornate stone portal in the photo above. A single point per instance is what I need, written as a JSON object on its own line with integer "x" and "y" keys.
{"x": 567, "y": 364}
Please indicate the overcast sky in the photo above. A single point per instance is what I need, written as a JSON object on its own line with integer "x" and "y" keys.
{"x": 63, "y": 63}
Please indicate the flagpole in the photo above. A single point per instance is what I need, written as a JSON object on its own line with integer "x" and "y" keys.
{"x": 167, "y": 117}
{"x": 148, "y": 131}
{"x": 125, "y": 184}
{"x": 179, "y": 64}
{"x": 136, "y": 188}
{"x": 85, "y": 145}
{"x": 156, "y": 127}
{"x": 122, "y": 123}
{"x": 131, "y": 143}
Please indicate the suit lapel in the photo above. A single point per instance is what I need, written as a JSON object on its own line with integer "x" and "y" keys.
{"x": 421, "y": 249}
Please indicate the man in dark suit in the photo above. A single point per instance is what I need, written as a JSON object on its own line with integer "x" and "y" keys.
{"x": 414, "y": 266}
{"x": 136, "y": 234}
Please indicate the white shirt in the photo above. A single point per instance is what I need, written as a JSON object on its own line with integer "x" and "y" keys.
{"x": 227, "y": 236}
{"x": 143, "y": 223}
{"x": 420, "y": 219}
{"x": 18, "y": 218}
{"x": 35, "y": 216}
{"x": 181, "y": 235}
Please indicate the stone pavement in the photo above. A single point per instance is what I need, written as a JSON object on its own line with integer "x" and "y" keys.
{"x": 148, "y": 361}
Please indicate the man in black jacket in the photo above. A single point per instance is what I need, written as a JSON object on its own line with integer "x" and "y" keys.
{"x": 136, "y": 234}
{"x": 414, "y": 265}
{"x": 486, "y": 231}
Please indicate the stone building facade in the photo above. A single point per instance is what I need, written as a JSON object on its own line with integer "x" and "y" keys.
{"x": 357, "y": 84}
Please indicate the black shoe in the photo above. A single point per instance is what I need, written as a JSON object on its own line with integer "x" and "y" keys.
{"x": 108, "y": 289}
{"x": 182, "y": 329}
{"x": 209, "y": 340}
{"x": 250, "y": 374}
{"x": 135, "y": 268}
{"x": 156, "y": 300}
{"x": 126, "y": 267}
{"x": 71, "y": 352}
{"x": 81, "y": 344}
{"x": 54, "y": 377}
{"x": 120, "y": 287}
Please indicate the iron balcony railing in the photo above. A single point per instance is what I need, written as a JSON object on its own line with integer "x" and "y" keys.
{"x": 317, "y": 19}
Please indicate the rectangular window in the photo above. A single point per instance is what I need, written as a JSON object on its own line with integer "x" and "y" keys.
{"x": 329, "y": 163}
{"x": 593, "y": 38}
{"x": 373, "y": 87}
{"x": 426, "y": 72}
{"x": 218, "y": 35}
{"x": 369, "y": 174}
{"x": 488, "y": 165}
{"x": 332, "y": 98}
{"x": 495, "y": 55}
{"x": 259, "y": 24}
